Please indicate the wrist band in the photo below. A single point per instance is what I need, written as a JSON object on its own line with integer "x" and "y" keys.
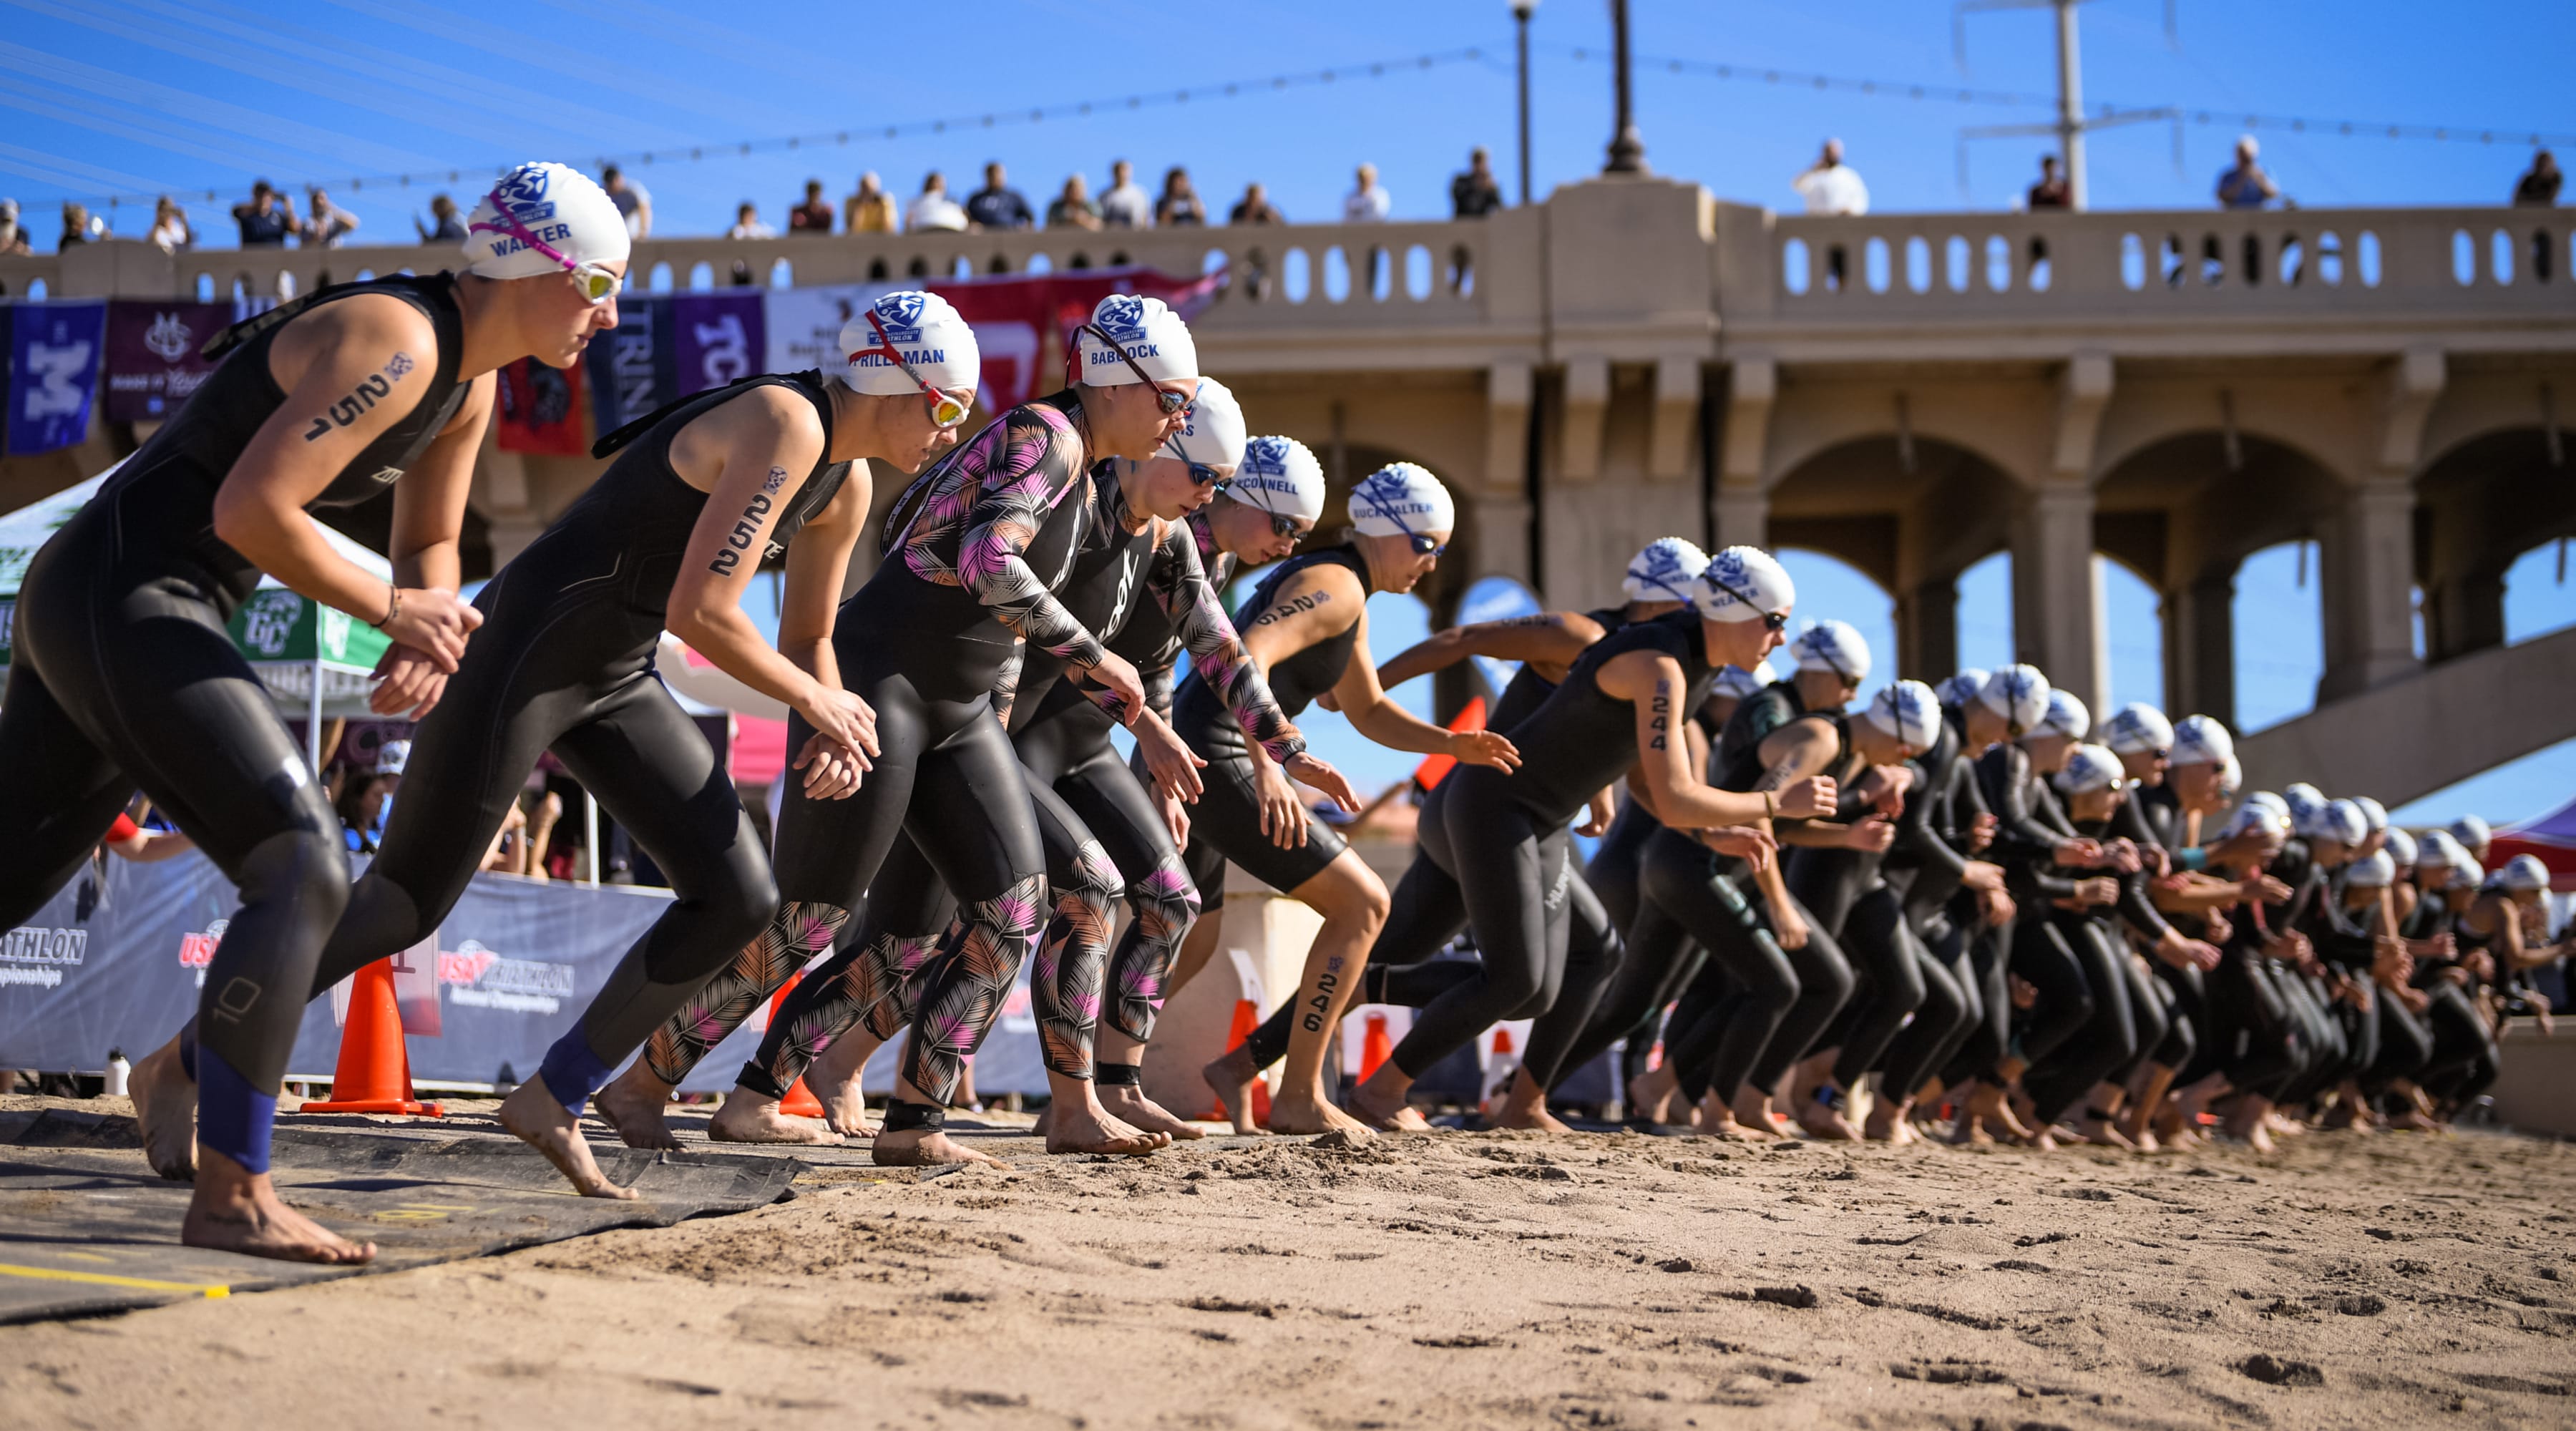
{"x": 1770, "y": 807}
{"x": 393, "y": 608}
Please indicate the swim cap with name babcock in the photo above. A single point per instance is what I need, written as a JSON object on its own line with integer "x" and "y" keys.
{"x": 560, "y": 206}
{"x": 1146, "y": 329}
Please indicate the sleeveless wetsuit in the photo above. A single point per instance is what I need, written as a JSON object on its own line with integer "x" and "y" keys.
{"x": 124, "y": 676}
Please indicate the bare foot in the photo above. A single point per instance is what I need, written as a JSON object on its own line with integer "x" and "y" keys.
{"x": 1231, "y": 1078}
{"x": 165, "y": 1107}
{"x": 1072, "y": 1128}
{"x": 235, "y": 1210}
{"x": 1825, "y": 1122}
{"x": 1990, "y": 1106}
{"x": 1128, "y": 1104}
{"x": 1383, "y": 1105}
{"x": 1650, "y": 1094}
{"x": 2415, "y": 1120}
{"x": 1752, "y": 1109}
{"x": 532, "y": 1113}
{"x": 924, "y": 1148}
{"x": 749, "y": 1116}
{"x": 1718, "y": 1120}
{"x": 1314, "y": 1115}
{"x": 833, "y": 1078}
{"x": 2102, "y": 1132}
{"x": 633, "y": 1104}
{"x": 1888, "y": 1122}
{"x": 1970, "y": 1132}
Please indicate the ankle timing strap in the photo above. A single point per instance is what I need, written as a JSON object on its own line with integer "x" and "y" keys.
{"x": 902, "y": 1117}
{"x": 1118, "y": 1075}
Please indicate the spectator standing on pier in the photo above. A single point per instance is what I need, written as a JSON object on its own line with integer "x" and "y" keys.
{"x": 267, "y": 219}
{"x": 1367, "y": 202}
{"x": 634, "y": 203}
{"x": 997, "y": 205}
{"x": 170, "y": 230}
{"x": 1179, "y": 206}
{"x": 870, "y": 210}
{"x": 78, "y": 227}
{"x": 2246, "y": 186}
{"x": 446, "y": 225}
{"x": 2052, "y": 191}
{"x": 747, "y": 224}
{"x": 814, "y": 216}
{"x": 1475, "y": 193}
{"x": 1830, "y": 186}
{"x": 1073, "y": 208}
{"x": 13, "y": 235}
{"x": 932, "y": 209}
{"x": 326, "y": 223}
{"x": 2538, "y": 188}
{"x": 1125, "y": 206}
{"x": 1256, "y": 208}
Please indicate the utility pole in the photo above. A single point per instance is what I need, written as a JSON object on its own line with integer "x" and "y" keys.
{"x": 2071, "y": 125}
{"x": 2070, "y": 104}
{"x": 1521, "y": 11}
{"x": 1627, "y": 150}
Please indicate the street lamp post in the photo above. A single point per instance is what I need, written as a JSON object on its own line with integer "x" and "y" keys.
{"x": 1627, "y": 150}
{"x": 1521, "y": 12}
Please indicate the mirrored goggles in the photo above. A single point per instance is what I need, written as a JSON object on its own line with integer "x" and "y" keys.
{"x": 947, "y": 410}
{"x": 597, "y": 281}
{"x": 1169, "y": 400}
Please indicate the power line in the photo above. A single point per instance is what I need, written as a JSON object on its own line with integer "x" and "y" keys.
{"x": 971, "y": 123}
{"x": 2194, "y": 115}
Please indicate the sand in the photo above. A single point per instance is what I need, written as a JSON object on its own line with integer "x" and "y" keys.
{"x": 1469, "y": 1280}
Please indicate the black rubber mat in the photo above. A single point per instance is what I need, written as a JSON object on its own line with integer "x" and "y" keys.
{"x": 86, "y": 1227}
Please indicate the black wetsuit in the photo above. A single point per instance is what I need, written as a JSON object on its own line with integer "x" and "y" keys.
{"x": 125, "y": 677}
{"x": 1925, "y": 868}
{"x": 1501, "y": 837}
{"x": 1225, "y": 824}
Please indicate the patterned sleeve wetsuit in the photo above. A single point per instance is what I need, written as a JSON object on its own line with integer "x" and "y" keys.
{"x": 978, "y": 546}
{"x": 1426, "y": 911}
{"x": 1138, "y": 590}
{"x": 125, "y": 676}
{"x": 1501, "y": 838}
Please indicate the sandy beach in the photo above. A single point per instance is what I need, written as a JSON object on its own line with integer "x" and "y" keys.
{"x": 1468, "y": 1280}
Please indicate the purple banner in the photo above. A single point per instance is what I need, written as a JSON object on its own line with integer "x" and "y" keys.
{"x": 53, "y": 373}
{"x": 632, "y": 366}
{"x": 719, "y": 337}
{"x": 152, "y": 362}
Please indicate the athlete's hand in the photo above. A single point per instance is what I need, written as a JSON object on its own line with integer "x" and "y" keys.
{"x": 2079, "y": 854}
{"x": 1981, "y": 831}
{"x": 1982, "y": 877}
{"x": 1755, "y": 847}
{"x": 2123, "y": 855}
{"x": 845, "y": 718}
{"x": 1998, "y": 908}
{"x": 2221, "y": 928}
{"x": 1120, "y": 677}
{"x": 406, "y": 681}
{"x": 433, "y": 621}
{"x": 2184, "y": 952}
{"x": 2265, "y": 889}
{"x": 1317, "y": 774}
{"x": 1597, "y": 814}
{"x": 1283, "y": 816}
{"x": 1807, "y": 800}
{"x": 1871, "y": 836}
{"x": 2090, "y": 892}
{"x": 1787, "y": 928}
{"x": 1174, "y": 768}
{"x": 1176, "y": 818}
{"x": 1484, "y": 747}
{"x": 832, "y": 772}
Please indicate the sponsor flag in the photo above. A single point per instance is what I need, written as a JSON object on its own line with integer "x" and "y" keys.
{"x": 152, "y": 360}
{"x": 53, "y": 373}
{"x": 1021, "y": 323}
{"x": 804, "y": 324}
{"x": 718, "y": 337}
{"x": 540, "y": 409}
{"x": 633, "y": 369}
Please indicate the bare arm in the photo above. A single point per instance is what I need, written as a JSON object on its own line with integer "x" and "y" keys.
{"x": 1652, "y": 682}
{"x": 1373, "y": 715}
{"x": 429, "y": 518}
{"x": 1550, "y": 641}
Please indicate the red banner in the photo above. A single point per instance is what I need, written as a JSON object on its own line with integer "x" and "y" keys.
{"x": 1022, "y": 323}
{"x": 540, "y": 409}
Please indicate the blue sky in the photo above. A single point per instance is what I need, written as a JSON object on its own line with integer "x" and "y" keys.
{"x": 188, "y": 96}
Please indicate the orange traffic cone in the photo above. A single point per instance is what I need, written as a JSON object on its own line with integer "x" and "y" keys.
{"x": 1436, "y": 768}
{"x": 1374, "y": 1047}
{"x": 800, "y": 1101}
{"x": 374, "y": 1074}
{"x": 1247, "y": 1017}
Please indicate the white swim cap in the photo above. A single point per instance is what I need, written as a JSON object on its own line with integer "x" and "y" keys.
{"x": 2254, "y": 814}
{"x": 2374, "y": 816}
{"x": 1212, "y": 430}
{"x": 2524, "y": 872}
{"x": 1146, "y": 329}
{"x": 2471, "y": 832}
{"x": 1959, "y": 689}
{"x": 2344, "y": 821}
{"x": 1737, "y": 575}
{"x": 1279, "y": 476}
{"x": 2437, "y": 849}
{"x": 1402, "y": 499}
{"x": 2066, "y": 716}
{"x": 2307, "y": 807}
{"x": 2091, "y": 767}
{"x": 1738, "y": 682}
{"x": 1909, "y": 711}
{"x": 2138, "y": 729}
{"x": 2019, "y": 694}
{"x": 2400, "y": 847}
{"x": 2273, "y": 803}
{"x": 2231, "y": 776}
{"x": 2465, "y": 873}
{"x": 559, "y": 207}
{"x": 1835, "y": 647}
{"x": 2201, "y": 740}
{"x": 1662, "y": 572}
{"x": 392, "y": 757}
{"x": 2372, "y": 871}
{"x": 930, "y": 334}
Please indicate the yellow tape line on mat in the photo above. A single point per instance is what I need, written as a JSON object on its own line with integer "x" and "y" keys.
{"x": 145, "y": 1284}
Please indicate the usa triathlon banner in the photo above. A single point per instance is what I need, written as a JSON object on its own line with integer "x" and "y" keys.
{"x": 633, "y": 367}
{"x": 719, "y": 338}
{"x": 116, "y": 959}
{"x": 152, "y": 360}
{"x": 805, "y": 323}
{"x": 53, "y": 373}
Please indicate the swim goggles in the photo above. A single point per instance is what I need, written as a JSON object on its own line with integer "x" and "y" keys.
{"x": 947, "y": 410}
{"x": 1422, "y": 545}
{"x": 1171, "y": 402}
{"x": 597, "y": 281}
{"x": 1771, "y": 620}
{"x": 1279, "y": 526}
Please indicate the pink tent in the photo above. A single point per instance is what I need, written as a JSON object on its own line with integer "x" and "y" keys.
{"x": 2551, "y": 838}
